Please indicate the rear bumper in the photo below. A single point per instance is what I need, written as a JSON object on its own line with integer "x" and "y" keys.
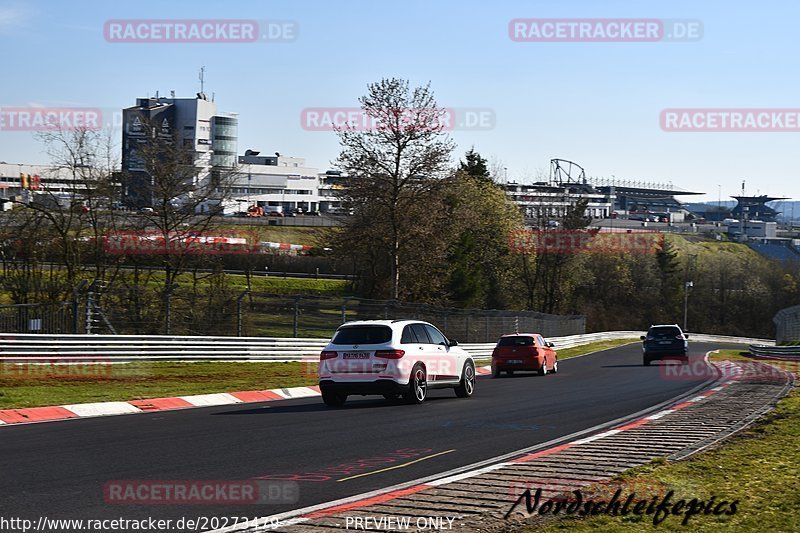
{"x": 526, "y": 363}
{"x": 654, "y": 355}
{"x": 379, "y": 386}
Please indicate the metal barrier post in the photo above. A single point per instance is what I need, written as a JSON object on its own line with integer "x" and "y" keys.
{"x": 76, "y": 305}
{"x": 239, "y": 313}
{"x": 168, "y": 307}
{"x": 89, "y": 309}
{"x": 296, "y": 316}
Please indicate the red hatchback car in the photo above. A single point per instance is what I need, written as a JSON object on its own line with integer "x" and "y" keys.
{"x": 524, "y": 351}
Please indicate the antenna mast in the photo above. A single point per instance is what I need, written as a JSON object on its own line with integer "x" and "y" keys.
{"x": 202, "y": 78}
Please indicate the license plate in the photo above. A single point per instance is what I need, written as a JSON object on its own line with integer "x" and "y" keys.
{"x": 355, "y": 355}
{"x": 514, "y": 361}
{"x": 664, "y": 342}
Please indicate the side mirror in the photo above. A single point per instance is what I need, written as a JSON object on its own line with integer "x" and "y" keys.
{"x": 685, "y": 336}
{"x": 550, "y": 344}
{"x": 452, "y": 342}
{"x": 642, "y": 337}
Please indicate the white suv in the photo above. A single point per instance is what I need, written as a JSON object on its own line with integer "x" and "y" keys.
{"x": 393, "y": 358}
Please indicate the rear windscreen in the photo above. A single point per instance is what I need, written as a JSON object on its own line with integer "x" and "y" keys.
{"x": 516, "y": 341}
{"x": 363, "y": 335}
{"x": 664, "y": 333}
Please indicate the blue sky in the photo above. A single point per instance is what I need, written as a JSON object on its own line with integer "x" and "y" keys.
{"x": 594, "y": 103}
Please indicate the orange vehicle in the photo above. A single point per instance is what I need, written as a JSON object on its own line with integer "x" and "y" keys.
{"x": 255, "y": 211}
{"x": 524, "y": 351}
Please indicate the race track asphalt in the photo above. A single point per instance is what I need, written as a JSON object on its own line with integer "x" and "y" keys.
{"x": 59, "y": 469}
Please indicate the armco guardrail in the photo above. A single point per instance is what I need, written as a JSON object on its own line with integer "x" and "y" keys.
{"x": 699, "y": 337}
{"x": 124, "y": 348}
{"x": 78, "y": 348}
{"x": 561, "y": 343}
{"x": 786, "y": 353}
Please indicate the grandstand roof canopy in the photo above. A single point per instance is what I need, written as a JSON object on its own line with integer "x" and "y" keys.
{"x": 646, "y": 191}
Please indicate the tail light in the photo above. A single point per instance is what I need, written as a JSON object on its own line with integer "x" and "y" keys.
{"x": 680, "y": 337}
{"x": 327, "y": 355}
{"x": 390, "y": 354}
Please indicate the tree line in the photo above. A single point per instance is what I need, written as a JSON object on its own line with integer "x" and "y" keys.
{"x": 422, "y": 229}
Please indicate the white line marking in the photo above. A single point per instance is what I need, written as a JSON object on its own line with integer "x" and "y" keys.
{"x": 206, "y": 400}
{"x": 598, "y": 436}
{"x": 297, "y": 392}
{"x": 467, "y": 475}
{"x": 102, "y": 409}
{"x": 660, "y": 414}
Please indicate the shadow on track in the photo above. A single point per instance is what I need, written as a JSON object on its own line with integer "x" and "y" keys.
{"x": 365, "y": 403}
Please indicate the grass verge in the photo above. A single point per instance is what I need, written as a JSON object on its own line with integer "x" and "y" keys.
{"x": 758, "y": 468}
{"x": 39, "y": 385}
{"x": 592, "y": 347}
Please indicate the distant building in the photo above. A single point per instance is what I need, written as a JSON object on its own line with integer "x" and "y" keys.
{"x": 716, "y": 212}
{"x": 643, "y": 197}
{"x": 195, "y": 123}
{"x": 753, "y": 229}
{"x": 542, "y": 201}
{"x": 24, "y": 183}
{"x": 275, "y": 183}
{"x": 755, "y": 208}
{"x": 605, "y": 197}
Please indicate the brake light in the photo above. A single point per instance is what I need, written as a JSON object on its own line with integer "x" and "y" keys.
{"x": 327, "y": 355}
{"x": 679, "y": 337}
{"x": 390, "y": 354}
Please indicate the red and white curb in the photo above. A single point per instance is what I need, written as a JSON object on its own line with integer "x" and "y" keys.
{"x": 149, "y": 405}
{"x": 87, "y": 410}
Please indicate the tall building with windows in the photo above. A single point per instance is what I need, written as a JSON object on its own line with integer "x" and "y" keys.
{"x": 210, "y": 136}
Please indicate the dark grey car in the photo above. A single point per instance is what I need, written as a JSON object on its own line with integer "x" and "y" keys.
{"x": 665, "y": 342}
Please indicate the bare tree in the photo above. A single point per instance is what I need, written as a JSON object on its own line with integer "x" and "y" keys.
{"x": 498, "y": 170}
{"x": 83, "y": 163}
{"x": 394, "y": 167}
